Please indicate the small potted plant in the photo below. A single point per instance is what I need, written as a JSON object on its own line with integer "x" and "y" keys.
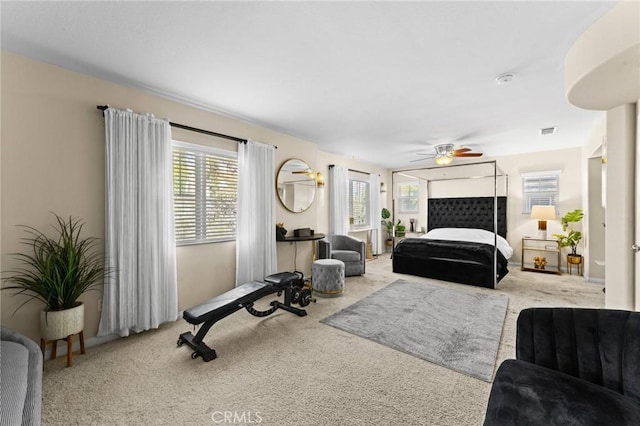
{"x": 573, "y": 237}
{"x": 388, "y": 224}
{"x": 400, "y": 229}
{"x": 57, "y": 271}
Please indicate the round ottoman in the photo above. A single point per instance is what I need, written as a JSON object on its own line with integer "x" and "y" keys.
{"x": 328, "y": 277}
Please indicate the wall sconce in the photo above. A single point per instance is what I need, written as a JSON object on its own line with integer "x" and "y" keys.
{"x": 542, "y": 214}
{"x": 383, "y": 188}
{"x": 319, "y": 180}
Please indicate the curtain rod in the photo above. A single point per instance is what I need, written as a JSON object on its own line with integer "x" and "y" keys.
{"x": 351, "y": 170}
{"x": 195, "y": 129}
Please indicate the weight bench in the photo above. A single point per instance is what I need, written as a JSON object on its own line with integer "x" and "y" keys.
{"x": 208, "y": 313}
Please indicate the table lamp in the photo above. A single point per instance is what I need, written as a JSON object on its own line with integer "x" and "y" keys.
{"x": 542, "y": 214}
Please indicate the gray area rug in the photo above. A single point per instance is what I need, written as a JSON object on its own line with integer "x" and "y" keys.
{"x": 457, "y": 329}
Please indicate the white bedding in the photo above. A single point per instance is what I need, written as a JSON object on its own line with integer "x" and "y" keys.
{"x": 471, "y": 235}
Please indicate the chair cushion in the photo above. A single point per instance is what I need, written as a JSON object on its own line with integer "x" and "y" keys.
{"x": 346, "y": 255}
{"x": 527, "y": 394}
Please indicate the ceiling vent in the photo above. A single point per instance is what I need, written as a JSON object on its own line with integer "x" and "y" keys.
{"x": 548, "y": 130}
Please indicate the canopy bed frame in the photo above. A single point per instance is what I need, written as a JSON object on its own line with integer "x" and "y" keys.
{"x": 462, "y": 262}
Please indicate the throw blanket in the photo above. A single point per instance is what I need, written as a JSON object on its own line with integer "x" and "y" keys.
{"x": 470, "y": 235}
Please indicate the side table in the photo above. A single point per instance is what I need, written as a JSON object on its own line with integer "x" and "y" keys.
{"x": 544, "y": 247}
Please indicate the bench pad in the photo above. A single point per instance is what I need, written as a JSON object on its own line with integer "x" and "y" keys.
{"x": 217, "y": 307}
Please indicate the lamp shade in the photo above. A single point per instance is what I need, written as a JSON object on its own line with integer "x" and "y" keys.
{"x": 543, "y": 212}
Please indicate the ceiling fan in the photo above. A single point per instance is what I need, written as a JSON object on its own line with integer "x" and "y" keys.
{"x": 445, "y": 152}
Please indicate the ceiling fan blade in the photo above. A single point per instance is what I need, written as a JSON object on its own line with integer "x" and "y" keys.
{"x": 461, "y": 150}
{"x": 469, "y": 154}
{"x": 421, "y": 159}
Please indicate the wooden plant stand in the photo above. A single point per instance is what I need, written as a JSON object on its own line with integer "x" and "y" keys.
{"x": 69, "y": 340}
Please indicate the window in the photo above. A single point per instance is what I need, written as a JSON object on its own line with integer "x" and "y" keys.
{"x": 359, "y": 203}
{"x": 408, "y": 197}
{"x": 205, "y": 192}
{"x": 540, "y": 189}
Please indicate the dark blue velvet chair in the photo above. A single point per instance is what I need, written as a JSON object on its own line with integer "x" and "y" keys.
{"x": 574, "y": 366}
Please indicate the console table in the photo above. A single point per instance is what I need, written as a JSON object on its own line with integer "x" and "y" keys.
{"x": 312, "y": 238}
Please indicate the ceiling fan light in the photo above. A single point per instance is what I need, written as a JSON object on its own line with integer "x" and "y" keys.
{"x": 444, "y": 149}
{"x": 442, "y": 160}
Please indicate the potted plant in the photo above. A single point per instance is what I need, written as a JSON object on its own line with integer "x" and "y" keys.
{"x": 57, "y": 271}
{"x": 573, "y": 237}
{"x": 400, "y": 229}
{"x": 388, "y": 224}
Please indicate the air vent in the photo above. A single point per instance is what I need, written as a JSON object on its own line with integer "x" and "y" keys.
{"x": 548, "y": 130}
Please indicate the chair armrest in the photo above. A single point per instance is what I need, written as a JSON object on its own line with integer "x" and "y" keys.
{"x": 32, "y": 410}
{"x": 324, "y": 249}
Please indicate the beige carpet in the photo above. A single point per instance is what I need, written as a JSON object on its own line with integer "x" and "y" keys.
{"x": 286, "y": 370}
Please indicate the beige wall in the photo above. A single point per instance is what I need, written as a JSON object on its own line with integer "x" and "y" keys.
{"x": 324, "y": 160}
{"x": 53, "y": 161}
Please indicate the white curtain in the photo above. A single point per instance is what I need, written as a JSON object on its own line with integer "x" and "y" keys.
{"x": 338, "y": 200}
{"x": 256, "y": 255}
{"x": 141, "y": 291}
{"x": 376, "y": 215}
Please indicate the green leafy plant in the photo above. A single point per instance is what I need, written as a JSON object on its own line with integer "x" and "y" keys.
{"x": 400, "y": 228}
{"x": 573, "y": 237}
{"x": 388, "y": 224}
{"x": 57, "y": 270}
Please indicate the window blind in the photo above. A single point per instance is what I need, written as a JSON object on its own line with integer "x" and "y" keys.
{"x": 540, "y": 189}
{"x": 205, "y": 188}
{"x": 359, "y": 202}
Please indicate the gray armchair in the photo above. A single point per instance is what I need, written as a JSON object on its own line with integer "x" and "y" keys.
{"x": 20, "y": 379}
{"x": 350, "y": 250}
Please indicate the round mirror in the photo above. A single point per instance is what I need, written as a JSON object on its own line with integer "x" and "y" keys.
{"x": 296, "y": 185}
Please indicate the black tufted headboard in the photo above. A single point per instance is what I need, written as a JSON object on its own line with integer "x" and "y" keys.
{"x": 467, "y": 212}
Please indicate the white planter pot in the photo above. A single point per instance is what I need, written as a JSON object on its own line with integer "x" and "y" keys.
{"x": 55, "y": 325}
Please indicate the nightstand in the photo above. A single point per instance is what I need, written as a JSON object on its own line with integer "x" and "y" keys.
{"x": 535, "y": 247}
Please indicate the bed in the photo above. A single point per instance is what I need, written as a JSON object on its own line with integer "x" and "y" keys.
{"x": 440, "y": 255}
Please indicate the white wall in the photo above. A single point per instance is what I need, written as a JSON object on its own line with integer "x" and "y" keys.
{"x": 621, "y": 207}
{"x": 594, "y": 237}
